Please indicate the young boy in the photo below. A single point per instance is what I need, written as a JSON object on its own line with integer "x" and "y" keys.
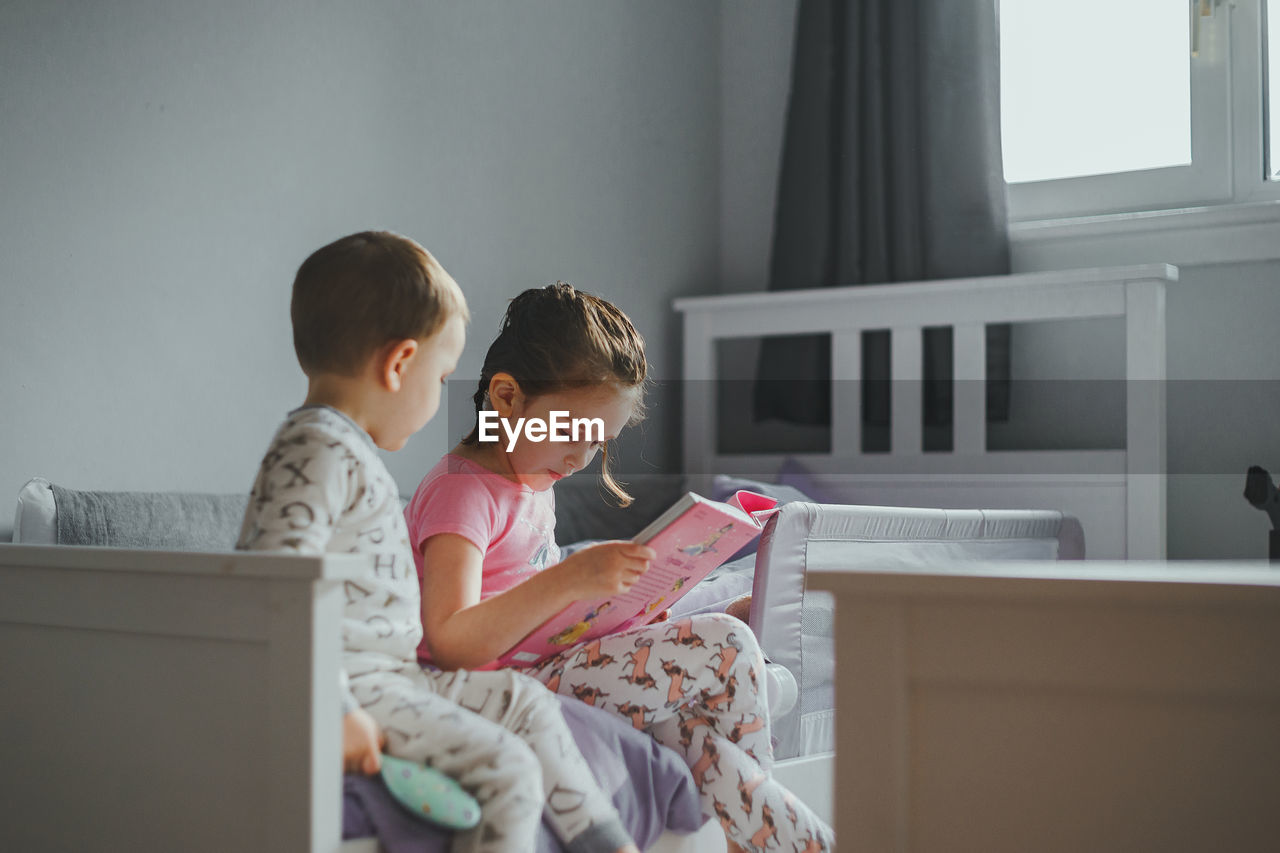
{"x": 377, "y": 326}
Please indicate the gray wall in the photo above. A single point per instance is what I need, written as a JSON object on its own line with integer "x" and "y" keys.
{"x": 165, "y": 166}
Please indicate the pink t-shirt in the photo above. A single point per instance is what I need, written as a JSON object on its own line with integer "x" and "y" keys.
{"x": 511, "y": 524}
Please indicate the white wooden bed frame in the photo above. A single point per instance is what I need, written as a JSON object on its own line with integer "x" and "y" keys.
{"x": 1118, "y": 496}
{"x": 1058, "y": 707}
{"x": 159, "y": 700}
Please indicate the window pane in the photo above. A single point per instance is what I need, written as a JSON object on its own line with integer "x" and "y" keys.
{"x": 1089, "y": 88}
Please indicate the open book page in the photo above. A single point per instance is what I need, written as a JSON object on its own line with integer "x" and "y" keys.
{"x": 691, "y": 539}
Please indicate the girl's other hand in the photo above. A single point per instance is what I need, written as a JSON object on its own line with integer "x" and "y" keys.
{"x": 609, "y": 568}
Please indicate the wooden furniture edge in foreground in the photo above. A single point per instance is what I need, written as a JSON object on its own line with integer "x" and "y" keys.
{"x": 193, "y": 692}
{"x": 1064, "y": 707}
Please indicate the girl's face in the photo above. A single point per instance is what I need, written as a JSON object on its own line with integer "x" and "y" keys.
{"x": 539, "y": 464}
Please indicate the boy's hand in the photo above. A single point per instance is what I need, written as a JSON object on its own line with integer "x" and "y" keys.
{"x": 610, "y": 568}
{"x": 362, "y": 743}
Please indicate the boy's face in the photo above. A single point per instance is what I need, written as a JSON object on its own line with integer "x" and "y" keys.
{"x": 539, "y": 465}
{"x": 423, "y": 381}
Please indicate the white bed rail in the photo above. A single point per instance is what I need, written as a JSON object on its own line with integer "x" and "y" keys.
{"x": 1132, "y": 479}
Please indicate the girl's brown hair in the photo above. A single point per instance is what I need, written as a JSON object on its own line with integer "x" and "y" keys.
{"x": 557, "y": 338}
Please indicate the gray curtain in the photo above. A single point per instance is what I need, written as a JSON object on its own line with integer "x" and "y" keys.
{"x": 891, "y": 171}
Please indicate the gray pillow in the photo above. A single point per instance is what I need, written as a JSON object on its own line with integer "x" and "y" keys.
{"x": 179, "y": 521}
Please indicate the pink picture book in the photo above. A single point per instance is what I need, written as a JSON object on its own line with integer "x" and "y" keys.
{"x": 692, "y": 538}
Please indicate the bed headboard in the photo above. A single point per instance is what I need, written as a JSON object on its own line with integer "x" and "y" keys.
{"x": 1118, "y": 495}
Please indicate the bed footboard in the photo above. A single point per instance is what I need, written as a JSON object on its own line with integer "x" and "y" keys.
{"x": 169, "y": 701}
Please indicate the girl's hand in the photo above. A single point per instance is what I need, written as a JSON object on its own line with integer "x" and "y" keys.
{"x": 608, "y": 568}
{"x": 362, "y": 743}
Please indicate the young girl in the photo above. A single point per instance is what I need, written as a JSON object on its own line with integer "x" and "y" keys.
{"x": 482, "y": 527}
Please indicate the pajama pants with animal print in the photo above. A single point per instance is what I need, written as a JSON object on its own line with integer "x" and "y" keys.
{"x": 502, "y": 736}
{"x": 697, "y": 685}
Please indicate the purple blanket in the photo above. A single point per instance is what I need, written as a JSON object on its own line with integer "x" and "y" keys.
{"x": 651, "y": 789}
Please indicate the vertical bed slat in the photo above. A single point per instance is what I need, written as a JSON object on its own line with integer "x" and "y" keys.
{"x": 698, "y": 392}
{"x": 970, "y": 373}
{"x": 1145, "y": 405}
{"x": 846, "y": 391}
{"x": 906, "y": 371}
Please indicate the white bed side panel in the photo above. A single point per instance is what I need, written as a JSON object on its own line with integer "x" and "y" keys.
{"x": 1099, "y": 507}
{"x": 795, "y": 625}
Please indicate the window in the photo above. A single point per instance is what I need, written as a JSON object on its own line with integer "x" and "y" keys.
{"x": 1136, "y": 105}
{"x": 1271, "y": 36}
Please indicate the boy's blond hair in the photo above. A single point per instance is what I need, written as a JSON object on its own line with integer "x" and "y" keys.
{"x": 360, "y": 292}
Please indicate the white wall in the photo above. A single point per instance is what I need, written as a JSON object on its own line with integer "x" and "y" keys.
{"x": 165, "y": 166}
{"x": 1223, "y": 400}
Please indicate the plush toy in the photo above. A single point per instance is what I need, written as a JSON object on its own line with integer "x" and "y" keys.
{"x": 429, "y": 794}
{"x": 1260, "y": 491}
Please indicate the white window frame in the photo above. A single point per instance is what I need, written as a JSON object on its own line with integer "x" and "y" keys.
{"x": 1248, "y": 83}
{"x": 1227, "y": 140}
